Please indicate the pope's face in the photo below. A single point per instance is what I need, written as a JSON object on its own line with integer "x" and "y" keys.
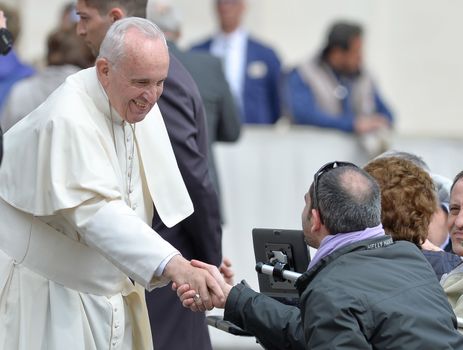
{"x": 135, "y": 82}
{"x": 455, "y": 217}
{"x": 92, "y": 26}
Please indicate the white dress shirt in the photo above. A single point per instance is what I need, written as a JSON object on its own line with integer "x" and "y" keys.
{"x": 232, "y": 49}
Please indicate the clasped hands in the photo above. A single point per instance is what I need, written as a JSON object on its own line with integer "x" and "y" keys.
{"x": 195, "y": 300}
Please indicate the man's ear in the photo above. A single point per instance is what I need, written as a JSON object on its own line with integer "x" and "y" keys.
{"x": 102, "y": 70}
{"x": 116, "y": 13}
{"x": 316, "y": 221}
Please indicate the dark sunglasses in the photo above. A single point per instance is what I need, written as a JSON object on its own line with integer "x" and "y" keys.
{"x": 316, "y": 178}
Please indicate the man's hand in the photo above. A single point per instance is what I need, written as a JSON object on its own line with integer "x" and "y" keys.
{"x": 428, "y": 245}
{"x": 226, "y": 271}
{"x": 186, "y": 294}
{"x": 181, "y": 272}
{"x": 368, "y": 123}
{"x": 2, "y": 20}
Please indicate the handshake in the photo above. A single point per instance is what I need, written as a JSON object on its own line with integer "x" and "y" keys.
{"x": 214, "y": 293}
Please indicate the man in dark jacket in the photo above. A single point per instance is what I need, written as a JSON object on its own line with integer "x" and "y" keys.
{"x": 362, "y": 290}
{"x": 223, "y": 119}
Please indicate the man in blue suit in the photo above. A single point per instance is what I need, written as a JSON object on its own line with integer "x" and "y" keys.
{"x": 252, "y": 69}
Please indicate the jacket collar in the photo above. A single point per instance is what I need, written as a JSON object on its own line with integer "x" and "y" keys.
{"x": 368, "y": 244}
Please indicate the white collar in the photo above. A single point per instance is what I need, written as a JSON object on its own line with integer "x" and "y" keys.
{"x": 237, "y": 37}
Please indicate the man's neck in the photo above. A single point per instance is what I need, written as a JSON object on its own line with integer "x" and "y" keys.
{"x": 229, "y": 29}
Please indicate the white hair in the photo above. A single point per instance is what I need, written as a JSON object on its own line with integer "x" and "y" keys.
{"x": 113, "y": 46}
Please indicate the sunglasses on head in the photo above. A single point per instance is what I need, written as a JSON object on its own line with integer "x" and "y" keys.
{"x": 316, "y": 178}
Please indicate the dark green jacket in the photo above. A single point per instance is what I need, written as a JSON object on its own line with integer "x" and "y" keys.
{"x": 373, "y": 294}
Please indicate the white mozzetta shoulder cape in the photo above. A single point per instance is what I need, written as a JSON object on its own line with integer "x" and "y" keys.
{"x": 62, "y": 154}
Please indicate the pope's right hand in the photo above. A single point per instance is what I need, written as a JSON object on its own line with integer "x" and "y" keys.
{"x": 181, "y": 272}
{"x": 187, "y": 294}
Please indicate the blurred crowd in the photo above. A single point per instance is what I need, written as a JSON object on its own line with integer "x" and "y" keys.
{"x": 330, "y": 89}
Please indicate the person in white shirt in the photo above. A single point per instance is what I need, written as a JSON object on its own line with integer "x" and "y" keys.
{"x": 77, "y": 184}
{"x": 252, "y": 69}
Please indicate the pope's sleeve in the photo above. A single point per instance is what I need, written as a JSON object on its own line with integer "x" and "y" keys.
{"x": 123, "y": 238}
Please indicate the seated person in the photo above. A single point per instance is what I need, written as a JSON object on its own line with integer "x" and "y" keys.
{"x": 438, "y": 233}
{"x": 453, "y": 282}
{"x": 333, "y": 90}
{"x": 362, "y": 290}
{"x": 408, "y": 202}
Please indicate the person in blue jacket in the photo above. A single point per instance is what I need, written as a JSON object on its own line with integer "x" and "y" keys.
{"x": 252, "y": 69}
{"x": 333, "y": 90}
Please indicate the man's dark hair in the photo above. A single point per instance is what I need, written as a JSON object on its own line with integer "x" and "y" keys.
{"x": 133, "y": 8}
{"x": 457, "y": 178}
{"x": 348, "y": 206}
{"x": 340, "y": 36}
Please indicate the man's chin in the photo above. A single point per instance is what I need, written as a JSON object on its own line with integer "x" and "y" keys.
{"x": 95, "y": 51}
{"x": 133, "y": 119}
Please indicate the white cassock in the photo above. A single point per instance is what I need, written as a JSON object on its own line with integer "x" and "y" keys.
{"x": 76, "y": 191}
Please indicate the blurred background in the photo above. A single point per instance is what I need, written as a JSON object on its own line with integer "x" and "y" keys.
{"x": 413, "y": 47}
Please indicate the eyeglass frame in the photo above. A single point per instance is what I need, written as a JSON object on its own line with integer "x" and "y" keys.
{"x": 316, "y": 178}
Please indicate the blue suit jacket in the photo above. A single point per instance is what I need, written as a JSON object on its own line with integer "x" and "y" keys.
{"x": 261, "y": 93}
{"x": 306, "y": 110}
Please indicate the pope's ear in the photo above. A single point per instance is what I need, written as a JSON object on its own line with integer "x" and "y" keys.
{"x": 102, "y": 69}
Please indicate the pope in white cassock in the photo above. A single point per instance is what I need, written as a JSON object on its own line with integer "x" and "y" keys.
{"x": 78, "y": 181}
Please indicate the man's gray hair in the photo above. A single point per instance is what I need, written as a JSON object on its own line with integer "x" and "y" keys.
{"x": 113, "y": 46}
{"x": 443, "y": 184}
{"x": 411, "y": 157}
{"x": 348, "y": 207}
